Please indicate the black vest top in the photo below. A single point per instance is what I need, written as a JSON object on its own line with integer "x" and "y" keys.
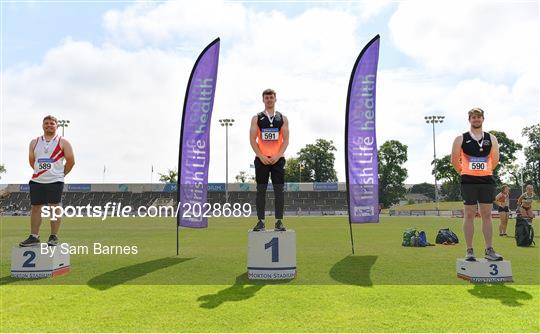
{"x": 471, "y": 147}
{"x": 263, "y": 121}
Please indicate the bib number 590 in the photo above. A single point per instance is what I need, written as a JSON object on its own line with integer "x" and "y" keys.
{"x": 478, "y": 165}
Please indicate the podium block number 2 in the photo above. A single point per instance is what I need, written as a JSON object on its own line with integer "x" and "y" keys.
{"x": 31, "y": 257}
{"x": 274, "y": 244}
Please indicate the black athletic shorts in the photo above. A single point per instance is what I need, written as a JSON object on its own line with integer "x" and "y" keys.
{"x": 46, "y": 193}
{"x": 504, "y": 209}
{"x": 276, "y": 171}
{"x": 473, "y": 193}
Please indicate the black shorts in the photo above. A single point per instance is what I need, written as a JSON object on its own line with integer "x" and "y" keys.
{"x": 46, "y": 193}
{"x": 275, "y": 171}
{"x": 504, "y": 209}
{"x": 473, "y": 193}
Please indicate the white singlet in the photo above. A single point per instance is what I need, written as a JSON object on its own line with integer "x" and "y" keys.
{"x": 49, "y": 164}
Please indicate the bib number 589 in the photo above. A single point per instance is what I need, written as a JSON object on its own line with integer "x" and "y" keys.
{"x": 44, "y": 165}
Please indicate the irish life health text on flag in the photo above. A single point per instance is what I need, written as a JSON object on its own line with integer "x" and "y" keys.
{"x": 361, "y": 143}
{"x": 194, "y": 158}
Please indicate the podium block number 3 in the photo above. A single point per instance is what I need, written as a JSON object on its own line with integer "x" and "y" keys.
{"x": 31, "y": 257}
{"x": 274, "y": 244}
{"x": 494, "y": 268}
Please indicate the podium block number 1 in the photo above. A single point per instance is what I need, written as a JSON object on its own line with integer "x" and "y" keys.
{"x": 31, "y": 257}
{"x": 274, "y": 244}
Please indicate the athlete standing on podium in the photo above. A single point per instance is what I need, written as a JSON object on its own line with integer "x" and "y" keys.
{"x": 46, "y": 157}
{"x": 475, "y": 154}
{"x": 269, "y": 138}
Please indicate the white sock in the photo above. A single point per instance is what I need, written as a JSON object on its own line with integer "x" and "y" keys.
{"x": 35, "y": 235}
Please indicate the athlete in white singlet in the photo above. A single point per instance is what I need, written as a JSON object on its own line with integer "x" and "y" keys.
{"x": 47, "y": 154}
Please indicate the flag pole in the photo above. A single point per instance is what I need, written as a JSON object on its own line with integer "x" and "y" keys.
{"x": 352, "y": 239}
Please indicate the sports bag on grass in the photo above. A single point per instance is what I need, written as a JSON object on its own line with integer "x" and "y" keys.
{"x": 524, "y": 232}
{"x": 446, "y": 236}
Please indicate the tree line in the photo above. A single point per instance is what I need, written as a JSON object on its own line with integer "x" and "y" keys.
{"x": 315, "y": 163}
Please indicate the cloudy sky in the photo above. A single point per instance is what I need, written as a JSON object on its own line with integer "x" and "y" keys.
{"x": 118, "y": 72}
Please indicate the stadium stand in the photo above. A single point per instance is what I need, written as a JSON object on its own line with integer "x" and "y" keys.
{"x": 305, "y": 202}
{"x": 300, "y": 198}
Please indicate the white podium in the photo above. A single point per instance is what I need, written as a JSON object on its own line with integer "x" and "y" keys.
{"x": 33, "y": 262}
{"x": 484, "y": 271}
{"x": 271, "y": 255}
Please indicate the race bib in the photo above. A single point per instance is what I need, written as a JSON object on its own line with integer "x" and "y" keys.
{"x": 478, "y": 163}
{"x": 44, "y": 164}
{"x": 269, "y": 134}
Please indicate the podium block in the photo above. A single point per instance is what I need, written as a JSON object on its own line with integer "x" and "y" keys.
{"x": 272, "y": 255}
{"x": 484, "y": 271}
{"x": 32, "y": 262}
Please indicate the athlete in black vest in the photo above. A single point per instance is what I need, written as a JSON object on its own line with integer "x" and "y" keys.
{"x": 475, "y": 154}
{"x": 269, "y": 138}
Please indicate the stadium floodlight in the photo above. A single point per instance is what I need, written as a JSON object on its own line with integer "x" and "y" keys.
{"x": 64, "y": 123}
{"x": 434, "y": 120}
{"x": 226, "y": 122}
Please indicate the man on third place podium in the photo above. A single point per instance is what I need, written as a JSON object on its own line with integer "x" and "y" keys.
{"x": 269, "y": 138}
{"x": 46, "y": 156}
{"x": 475, "y": 154}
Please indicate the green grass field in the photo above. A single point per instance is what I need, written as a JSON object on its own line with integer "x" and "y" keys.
{"x": 383, "y": 287}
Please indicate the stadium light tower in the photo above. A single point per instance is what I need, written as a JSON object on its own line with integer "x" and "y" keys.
{"x": 434, "y": 120}
{"x": 64, "y": 123}
{"x": 226, "y": 122}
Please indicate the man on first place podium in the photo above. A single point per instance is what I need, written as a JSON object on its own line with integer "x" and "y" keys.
{"x": 46, "y": 156}
{"x": 269, "y": 138}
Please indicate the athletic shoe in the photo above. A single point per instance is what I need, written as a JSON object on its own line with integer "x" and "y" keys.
{"x": 470, "y": 255}
{"x": 501, "y": 234}
{"x": 279, "y": 226}
{"x": 53, "y": 240}
{"x": 30, "y": 242}
{"x": 492, "y": 256}
{"x": 259, "y": 226}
